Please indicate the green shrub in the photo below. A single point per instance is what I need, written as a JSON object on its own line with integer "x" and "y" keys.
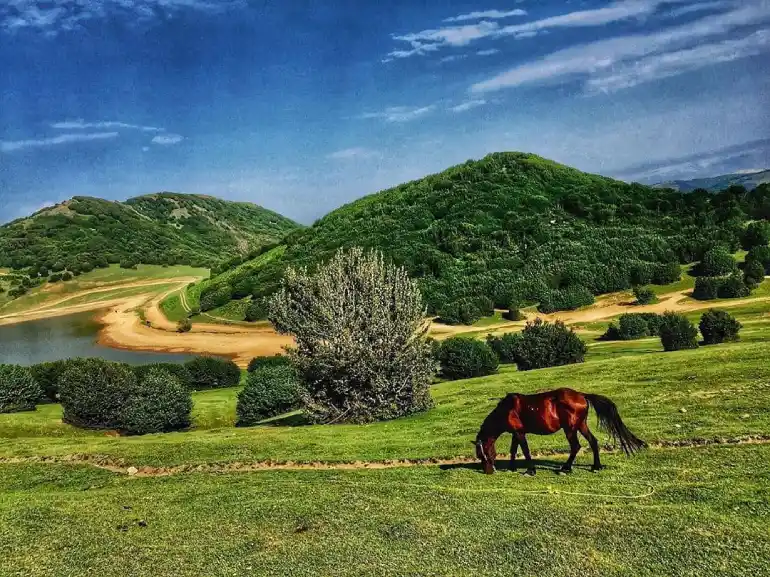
{"x": 677, "y": 333}
{"x": 435, "y": 348}
{"x": 212, "y": 373}
{"x": 633, "y": 327}
{"x": 716, "y": 262}
{"x": 545, "y": 344}
{"x": 184, "y": 326}
{"x": 566, "y": 299}
{"x": 48, "y": 375}
{"x": 753, "y": 274}
{"x": 718, "y": 327}
{"x": 257, "y": 310}
{"x": 504, "y": 346}
{"x": 513, "y": 314}
{"x": 706, "y": 288}
{"x": 654, "y": 321}
{"x": 19, "y": 391}
{"x": 760, "y": 254}
{"x": 269, "y": 391}
{"x": 160, "y": 403}
{"x": 66, "y": 276}
{"x": 733, "y": 287}
{"x": 268, "y": 361}
{"x": 644, "y": 296}
{"x": 666, "y": 273}
{"x": 756, "y": 234}
{"x": 466, "y": 311}
{"x": 93, "y": 392}
{"x": 466, "y": 357}
{"x": 177, "y": 370}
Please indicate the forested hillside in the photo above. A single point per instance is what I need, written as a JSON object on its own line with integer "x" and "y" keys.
{"x": 164, "y": 228}
{"x": 716, "y": 183}
{"x": 513, "y": 229}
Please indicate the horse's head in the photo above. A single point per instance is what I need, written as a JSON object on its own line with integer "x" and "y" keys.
{"x": 485, "y": 452}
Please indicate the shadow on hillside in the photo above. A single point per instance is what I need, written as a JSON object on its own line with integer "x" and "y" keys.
{"x": 503, "y": 466}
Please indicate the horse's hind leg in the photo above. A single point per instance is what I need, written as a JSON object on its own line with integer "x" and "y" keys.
{"x": 574, "y": 447}
{"x": 525, "y": 449}
{"x": 514, "y": 450}
{"x": 586, "y": 432}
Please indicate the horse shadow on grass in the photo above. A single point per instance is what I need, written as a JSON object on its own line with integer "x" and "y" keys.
{"x": 504, "y": 466}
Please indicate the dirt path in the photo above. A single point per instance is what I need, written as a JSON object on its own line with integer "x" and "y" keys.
{"x": 606, "y": 307}
{"x": 55, "y": 308}
{"x": 125, "y": 468}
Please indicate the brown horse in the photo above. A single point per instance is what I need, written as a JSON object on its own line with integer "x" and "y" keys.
{"x": 544, "y": 414}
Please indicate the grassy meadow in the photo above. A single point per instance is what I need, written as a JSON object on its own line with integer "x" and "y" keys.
{"x": 692, "y": 510}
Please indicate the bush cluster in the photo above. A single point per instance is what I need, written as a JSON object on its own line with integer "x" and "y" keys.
{"x": 632, "y": 326}
{"x": 566, "y": 299}
{"x": 466, "y": 311}
{"x": 505, "y": 346}
{"x": 718, "y": 327}
{"x": 735, "y": 285}
{"x": 268, "y": 361}
{"x": 716, "y": 262}
{"x": 177, "y": 370}
{"x": 543, "y": 344}
{"x": 19, "y": 391}
{"x": 678, "y": 333}
{"x": 212, "y": 373}
{"x": 644, "y": 295}
{"x": 756, "y": 234}
{"x": 466, "y": 357}
{"x": 98, "y": 394}
{"x": 47, "y": 375}
{"x": 270, "y": 391}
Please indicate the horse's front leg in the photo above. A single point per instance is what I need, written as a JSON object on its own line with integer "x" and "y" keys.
{"x": 574, "y": 446}
{"x": 522, "y": 438}
{"x": 514, "y": 450}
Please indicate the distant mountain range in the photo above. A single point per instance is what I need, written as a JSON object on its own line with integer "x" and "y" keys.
{"x": 750, "y": 180}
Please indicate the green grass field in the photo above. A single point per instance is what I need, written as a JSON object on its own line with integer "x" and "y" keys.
{"x": 690, "y": 510}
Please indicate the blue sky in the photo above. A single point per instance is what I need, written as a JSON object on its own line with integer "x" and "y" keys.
{"x": 301, "y": 106}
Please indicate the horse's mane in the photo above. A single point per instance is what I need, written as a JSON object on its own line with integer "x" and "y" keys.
{"x": 499, "y": 415}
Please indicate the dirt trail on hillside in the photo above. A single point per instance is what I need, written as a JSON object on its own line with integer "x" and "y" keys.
{"x": 604, "y": 308}
{"x": 123, "y": 467}
{"x": 54, "y": 307}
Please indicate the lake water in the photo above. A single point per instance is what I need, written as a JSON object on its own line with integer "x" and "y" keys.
{"x": 66, "y": 337}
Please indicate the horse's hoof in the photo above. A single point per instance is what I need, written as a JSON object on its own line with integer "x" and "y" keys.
{"x": 564, "y": 471}
{"x": 530, "y": 472}
{"x": 596, "y": 469}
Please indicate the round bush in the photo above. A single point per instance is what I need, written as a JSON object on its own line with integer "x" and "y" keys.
{"x": 269, "y": 391}
{"x": 753, "y": 273}
{"x": 677, "y": 333}
{"x": 513, "y": 314}
{"x": 666, "y": 273}
{"x": 257, "y": 310}
{"x": 159, "y": 404}
{"x": 212, "y": 373}
{"x": 756, "y": 234}
{"x": 465, "y": 311}
{"x": 760, "y": 254}
{"x": 644, "y": 296}
{"x": 716, "y": 262}
{"x": 177, "y": 370}
{"x": 47, "y": 375}
{"x": 93, "y": 392}
{"x": 269, "y": 361}
{"x": 633, "y": 327}
{"x": 504, "y": 346}
{"x": 718, "y": 327}
{"x": 706, "y": 288}
{"x": 184, "y": 326}
{"x": 545, "y": 344}
{"x": 19, "y": 391}
{"x": 733, "y": 287}
{"x": 465, "y": 357}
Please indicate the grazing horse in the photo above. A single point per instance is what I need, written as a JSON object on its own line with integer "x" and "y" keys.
{"x": 544, "y": 414}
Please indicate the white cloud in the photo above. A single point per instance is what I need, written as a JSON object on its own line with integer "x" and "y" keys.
{"x": 400, "y": 113}
{"x": 82, "y": 125}
{"x": 54, "y": 16}
{"x": 469, "y": 105}
{"x": 168, "y": 139}
{"x": 494, "y": 14}
{"x": 11, "y": 146}
{"x": 600, "y": 58}
{"x": 669, "y": 64}
{"x": 453, "y": 58}
{"x": 432, "y": 40}
{"x": 488, "y": 52}
{"x": 354, "y": 154}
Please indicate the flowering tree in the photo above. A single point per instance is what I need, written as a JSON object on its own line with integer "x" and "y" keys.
{"x": 359, "y": 324}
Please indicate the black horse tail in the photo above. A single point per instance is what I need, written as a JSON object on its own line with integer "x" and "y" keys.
{"x": 611, "y": 423}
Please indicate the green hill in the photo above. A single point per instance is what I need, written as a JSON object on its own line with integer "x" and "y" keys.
{"x": 514, "y": 227}
{"x": 164, "y": 228}
{"x": 750, "y": 180}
